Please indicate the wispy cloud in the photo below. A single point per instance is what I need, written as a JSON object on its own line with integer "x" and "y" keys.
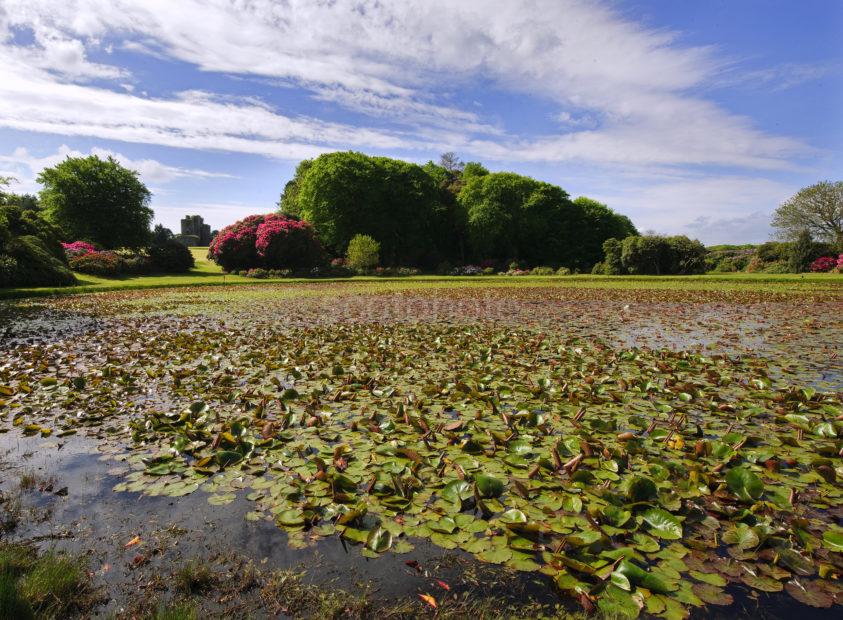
{"x": 396, "y": 61}
{"x": 25, "y": 166}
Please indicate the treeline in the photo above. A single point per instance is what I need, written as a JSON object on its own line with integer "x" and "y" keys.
{"x": 447, "y": 213}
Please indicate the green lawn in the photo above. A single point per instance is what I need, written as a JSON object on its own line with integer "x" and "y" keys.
{"x": 207, "y": 273}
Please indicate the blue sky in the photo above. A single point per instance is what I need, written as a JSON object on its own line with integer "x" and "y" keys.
{"x": 693, "y": 118}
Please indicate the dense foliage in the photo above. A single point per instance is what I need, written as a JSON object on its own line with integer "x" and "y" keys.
{"x": 97, "y": 200}
{"x": 273, "y": 241}
{"x": 817, "y": 209}
{"x": 31, "y": 253}
{"x": 363, "y": 252}
{"x": 170, "y": 256}
{"x": 653, "y": 255}
{"x": 105, "y": 263}
{"x": 447, "y": 213}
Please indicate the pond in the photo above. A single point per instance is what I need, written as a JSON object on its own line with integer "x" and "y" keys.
{"x": 658, "y": 452}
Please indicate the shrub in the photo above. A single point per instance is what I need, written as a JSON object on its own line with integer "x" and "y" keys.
{"x": 77, "y": 248}
{"x": 136, "y": 264}
{"x": 542, "y": 271}
{"x": 776, "y": 267}
{"x": 489, "y": 271}
{"x": 840, "y": 263}
{"x": 823, "y": 264}
{"x": 234, "y": 246}
{"x": 27, "y": 262}
{"x": 362, "y": 252}
{"x": 284, "y": 242}
{"x": 170, "y": 256}
{"x": 106, "y": 263}
{"x": 467, "y": 270}
{"x": 563, "y": 271}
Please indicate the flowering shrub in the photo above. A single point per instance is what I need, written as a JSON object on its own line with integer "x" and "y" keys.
{"x": 234, "y": 246}
{"x": 272, "y": 241}
{"x": 260, "y": 273}
{"x": 77, "y": 248}
{"x": 467, "y": 270}
{"x": 97, "y": 263}
{"x": 283, "y": 242}
{"x": 823, "y": 264}
{"x": 840, "y": 263}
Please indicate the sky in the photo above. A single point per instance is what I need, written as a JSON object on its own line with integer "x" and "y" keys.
{"x": 694, "y": 118}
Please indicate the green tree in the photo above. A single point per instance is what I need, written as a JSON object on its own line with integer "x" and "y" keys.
{"x": 288, "y": 203}
{"x": 612, "y": 263}
{"x": 817, "y": 209}
{"x": 97, "y": 200}
{"x": 600, "y": 223}
{"x": 363, "y": 252}
{"x": 344, "y": 194}
{"x": 801, "y": 253}
{"x": 513, "y": 216}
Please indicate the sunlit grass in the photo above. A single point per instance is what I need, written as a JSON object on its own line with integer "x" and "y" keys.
{"x": 207, "y": 273}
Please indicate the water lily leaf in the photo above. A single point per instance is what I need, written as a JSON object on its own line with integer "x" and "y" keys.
{"x": 616, "y": 603}
{"x": 712, "y": 594}
{"x": 495, "y": 555}
{"x": 641, "y": 489}
{"x": 745, "y": 484}
{"x": 379, "y": 540}
{"x": 616, "y": 516}
{"x": 662, "y": 524}
{"x": 810, "y": 593}
{"x": 488, "y": 486}
{"x": 640, "y": 577}
{"x": 709, "y": 578}
{"x": 741, "y": 535}
{"x": 797, "y": 562}
{"x": 457, "y": 491}
{"x": 760, "y": 582}
{"x": 833, "y": 540}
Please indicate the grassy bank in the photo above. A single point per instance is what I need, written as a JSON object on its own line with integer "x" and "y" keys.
{"x": 207, "y": 273}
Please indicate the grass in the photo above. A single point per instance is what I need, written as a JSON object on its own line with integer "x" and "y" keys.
{"x": 207, "y": 273}
{"x": 194, "y": 576}
{"x": 53, "y": 585}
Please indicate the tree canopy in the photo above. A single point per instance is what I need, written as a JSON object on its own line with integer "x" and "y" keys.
{"x": 97, "y": 200}
{"x": 817, "y": 209}
{"x": 448, "y": 211}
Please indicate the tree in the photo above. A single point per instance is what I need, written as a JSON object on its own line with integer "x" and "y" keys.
{"x": 801, "y": 253}
{"x": 288, "y": 203}
{"x": 97, "y": 200}
{"x": 30, "y": 250}
{"x": 344, "y": 194}
{"x": 362, "y": 252}
{"x": 515, "y": 217}
{"x": 601, "y": 223}
{"x": 817, "y": 209}
{"x": 160, "y": 234}
{"x": 450, "y": 162}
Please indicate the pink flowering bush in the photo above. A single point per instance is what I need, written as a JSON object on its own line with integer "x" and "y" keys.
{"x": 840, "y": 264}
{"x": 77, "y": 248}
{"x": 273, "y": 241}
{"x": 824, "y": 264}
{"x": 106, "y": 263}
{"x": 286, "y": 243}
{"x": 234, "y": 246}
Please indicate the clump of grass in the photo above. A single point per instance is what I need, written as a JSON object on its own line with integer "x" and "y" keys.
{"x": 175, "y": 611}
{"x": 27, "y": 481}
{"x": 55, "y": 584}
{"x": 193, "y": 577}
{"x": 13, "y": 606}
{"x": 52, "y": 585}
{"x": 285, "y": 592}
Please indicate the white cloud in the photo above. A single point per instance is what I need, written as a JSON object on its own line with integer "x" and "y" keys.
{"x": 397, "y": 60}
{"x": 715, "y": 209}
{"x": 24, "y": 167}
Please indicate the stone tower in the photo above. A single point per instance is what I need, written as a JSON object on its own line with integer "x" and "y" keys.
{"x": 194, "y": 226}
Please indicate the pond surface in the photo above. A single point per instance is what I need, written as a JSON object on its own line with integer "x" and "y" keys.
{"x": 249, "y": 424}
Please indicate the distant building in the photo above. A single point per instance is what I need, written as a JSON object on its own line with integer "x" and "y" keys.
{"x": 193, "y": 227}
